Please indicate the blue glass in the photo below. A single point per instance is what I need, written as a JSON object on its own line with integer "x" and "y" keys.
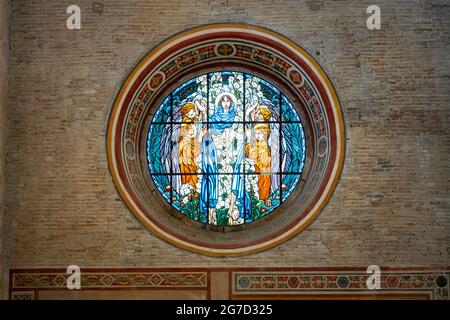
{"x": 164, "y": 185}
{"x": 288, "y": 112}
{"x": 293, "y": 147}
{"x": 288, "y": 184}
{"x": 162, "y": 115}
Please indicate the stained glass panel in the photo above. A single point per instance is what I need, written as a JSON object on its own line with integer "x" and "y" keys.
{"x": 262, "y": 100}
{"x": 262, "y": 152}
{"x": 288, "y": 184}
{"x": 293, "y": 153}
{"x": 217, "y": 166}
{"x": 225, "y": 99}
{"x": 159, "y": 149}
{"x": 288, "y": 112}
{"x": 162, "y": 115}
{"x": 164, "y": 185}
{"x": 185, "y": 195}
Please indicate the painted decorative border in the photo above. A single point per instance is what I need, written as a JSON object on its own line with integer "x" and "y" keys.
{"x": 25, "y": 284}
{"x": 113, "y": 280}
{"x": 218, "y": 46}
{"x": 245, "y": 283}
{"x": 433, "y": 283}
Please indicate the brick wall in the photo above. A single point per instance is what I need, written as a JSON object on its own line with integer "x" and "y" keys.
{"x": 3, "y": 98}
{"x": 391, "y": 206}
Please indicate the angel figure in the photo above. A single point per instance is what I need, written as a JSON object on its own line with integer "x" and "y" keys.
{"x": 189, "y": 148}
{"x": 193, "y": 111}
{"x": 259, "y": 151}
{"x": 258, "y": 113}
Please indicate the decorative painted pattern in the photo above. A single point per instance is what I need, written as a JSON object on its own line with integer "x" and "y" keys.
{"x": 292, "y": 282}
{"x": 112, "y": 279}
{"x": 25, "y": 284}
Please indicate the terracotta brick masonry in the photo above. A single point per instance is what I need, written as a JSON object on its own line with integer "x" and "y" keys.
{"x": 391, "y": 206}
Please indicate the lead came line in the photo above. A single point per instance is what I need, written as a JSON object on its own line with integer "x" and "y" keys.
{"x": 223, "y": 122}
{"x": 226, "y": 173}
{"x": 243, "y": 158}
{"x": 208, "y": 142}
{"x": 280, "y": 155}
{"x": 171, "y": 151}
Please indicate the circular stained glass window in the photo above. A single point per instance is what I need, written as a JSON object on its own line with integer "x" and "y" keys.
{"x": 226, "y": 148}
{"x": 230, "y": 128}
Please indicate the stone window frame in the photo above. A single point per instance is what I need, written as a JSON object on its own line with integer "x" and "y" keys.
{"x": 230, "y": 47}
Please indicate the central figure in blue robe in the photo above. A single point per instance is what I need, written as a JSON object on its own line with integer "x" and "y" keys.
{"x": 219, "y": 122}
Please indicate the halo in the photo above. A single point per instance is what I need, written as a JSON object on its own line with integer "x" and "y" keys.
{"x": 226, "y": 93}
{"x": 262, "y": 125}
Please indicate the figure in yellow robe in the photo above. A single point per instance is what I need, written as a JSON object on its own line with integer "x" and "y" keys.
{"x": 188, "y": 149}
{"x": 193, "y": 112}
{"x": 259, "y": 152}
